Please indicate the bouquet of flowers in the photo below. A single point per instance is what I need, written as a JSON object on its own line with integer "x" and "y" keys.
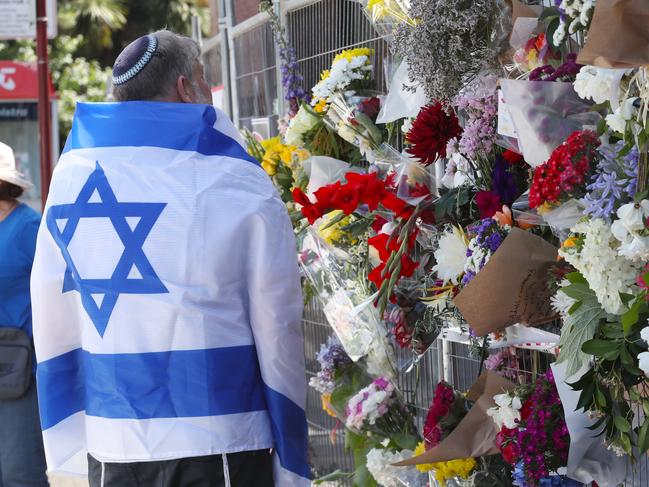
{"x": 564, "y": 174}
{"x": 377, "y": 408}
{"x": 347, "y": 305}
{"x": 486, "y": 237}
{"x": 533, "y": 435}
{"x": 348, "y": 69}
{"x": 282, "y": 162}
{"x": 445, "y": 413}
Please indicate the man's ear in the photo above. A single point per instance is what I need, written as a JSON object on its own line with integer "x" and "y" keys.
{"x": 184, "y": 89}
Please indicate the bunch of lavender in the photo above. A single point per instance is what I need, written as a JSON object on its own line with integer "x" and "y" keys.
{"x": 332, "y": 355}
{"x": 614, "y": 182}
{"x": 291, "y": 77}
{"x": 479, "y": 119}
{"x": 566, "y": 72}
{"x": 452, "y": 41}
{"x": 487, "y": 236}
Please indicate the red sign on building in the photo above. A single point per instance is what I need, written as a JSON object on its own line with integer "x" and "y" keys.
{"x": 19, "y": 81}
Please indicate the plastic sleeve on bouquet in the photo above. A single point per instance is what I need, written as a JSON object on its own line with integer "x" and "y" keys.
{"x": 588, "y": 460}
{"x": 475, "y": 435}
{"x": 544, "y": 115}
{"x": 617, "y": 37}
{"x": 401, "y": 102}
{"x": 512, "y": 287}
{"x": 350, "y": 312}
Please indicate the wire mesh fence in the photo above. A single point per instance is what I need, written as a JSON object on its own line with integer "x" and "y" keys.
{"x": 318, "y": 30}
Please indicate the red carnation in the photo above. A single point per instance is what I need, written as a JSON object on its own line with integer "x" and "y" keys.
{"x": 564, "y": 174}
{"x": 370, "y": 107}
{"x": 431, "y": 131}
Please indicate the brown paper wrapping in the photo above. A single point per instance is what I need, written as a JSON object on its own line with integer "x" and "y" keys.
{"x": 513, "y": 286}
{"x": 475, "y": 435}
{"x": 618, "y": 36}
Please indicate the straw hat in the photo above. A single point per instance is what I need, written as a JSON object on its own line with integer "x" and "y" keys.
{"x": 8, "y": 171}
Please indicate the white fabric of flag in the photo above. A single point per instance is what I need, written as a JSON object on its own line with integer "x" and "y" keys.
{"x": 166, "y": 296}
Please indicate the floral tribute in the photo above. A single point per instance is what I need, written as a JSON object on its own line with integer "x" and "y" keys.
{"x": 533, "y": 434}
{"x": 395, "y": 220}
{"x": 564, "y": 174}
{"x": 431, "y": 132}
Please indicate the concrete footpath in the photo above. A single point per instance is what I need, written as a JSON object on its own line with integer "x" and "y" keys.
{"x": 61, "y": 481}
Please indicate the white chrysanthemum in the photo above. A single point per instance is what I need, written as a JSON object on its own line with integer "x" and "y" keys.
{"x": 451, "y": 256}
{"x": 608, "y": 274}
{"x": 341, "y": 75}
{"x": 561, "y": 302}
{"x": 379, "y": 464}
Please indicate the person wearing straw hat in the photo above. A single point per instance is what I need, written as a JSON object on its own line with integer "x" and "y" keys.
{"x": 22, "y": 458}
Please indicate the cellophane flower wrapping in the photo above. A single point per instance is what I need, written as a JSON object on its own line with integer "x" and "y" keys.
{"x": 544, "y": 115}
{"x": 385, "y": 15}
{"x": 347, "y": 303}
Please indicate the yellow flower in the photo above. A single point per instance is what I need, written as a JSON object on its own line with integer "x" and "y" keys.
{"x": 269, "y": 166}
{"x": 324, "y": 75}
{"x": 320, "y": 106}
{"x": 350, "y": 54}
{"x": 326, "y": 405}
{"x": 335, "y": 233}
{"x": 424, "y": 467}
{"x": 455, "y": 468}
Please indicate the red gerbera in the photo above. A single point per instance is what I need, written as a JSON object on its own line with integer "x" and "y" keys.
{"x": 431, "y": 131}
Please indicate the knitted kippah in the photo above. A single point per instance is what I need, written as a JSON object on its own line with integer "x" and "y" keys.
{"x": 133, "y": 59}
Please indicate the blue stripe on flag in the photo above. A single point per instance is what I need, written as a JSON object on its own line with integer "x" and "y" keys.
{"x": 179, "y": 126}
{"x": 288, "y": 422}
{"x": 178, "y": 383}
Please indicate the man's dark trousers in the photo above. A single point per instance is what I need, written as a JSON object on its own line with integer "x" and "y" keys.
{"x": 246, "y": 469}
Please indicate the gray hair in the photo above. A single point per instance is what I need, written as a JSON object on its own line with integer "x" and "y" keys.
{"x": 174, "y": 57}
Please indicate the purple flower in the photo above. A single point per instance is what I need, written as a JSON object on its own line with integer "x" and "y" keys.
{"x": 614, "y": 182}
{"x": 504, "y": 184}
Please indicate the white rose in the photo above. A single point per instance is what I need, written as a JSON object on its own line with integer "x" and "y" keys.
{"x": 644, "y": 362}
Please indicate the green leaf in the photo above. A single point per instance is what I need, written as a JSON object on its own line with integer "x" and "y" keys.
{"x": 622, "y": 424}
{"x": 578, "y": 291}
{"x": 405, "y": 441}
{"x": 643, "y": 437}
{"x": 576, "y": 278}
{"x": 632, "y": 316}
{"x": 553, "y": 25}
{"x": 599, "y": 348}
{"x": 579, "y": 327}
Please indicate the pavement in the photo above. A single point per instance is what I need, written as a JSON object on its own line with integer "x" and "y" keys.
{"x": 64, "y": 481}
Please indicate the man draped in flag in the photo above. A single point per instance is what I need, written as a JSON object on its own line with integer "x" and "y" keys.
{"x": 166, "y": 294}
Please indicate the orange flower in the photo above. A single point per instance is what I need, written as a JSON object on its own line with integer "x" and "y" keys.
{"x": 505, "y": 217}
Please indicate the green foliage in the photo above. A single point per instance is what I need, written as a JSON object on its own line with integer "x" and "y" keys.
{"x": 91, "y": 35}
{"x": 580, "y": 326}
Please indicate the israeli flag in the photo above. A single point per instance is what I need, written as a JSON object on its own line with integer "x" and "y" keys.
{"x": 166, "y": 296}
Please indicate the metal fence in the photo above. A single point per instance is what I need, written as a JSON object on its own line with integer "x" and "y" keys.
{"x": 318, "y": 30}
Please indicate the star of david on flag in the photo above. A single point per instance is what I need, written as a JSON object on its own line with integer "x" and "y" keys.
{"x": 107, "y": 291}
